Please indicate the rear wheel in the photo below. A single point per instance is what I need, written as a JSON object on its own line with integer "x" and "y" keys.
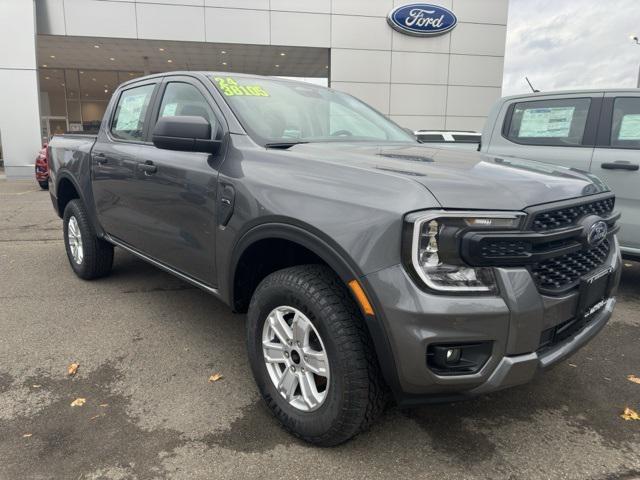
{"x": 89, "y": 256}
{"x": 312, "y": 357}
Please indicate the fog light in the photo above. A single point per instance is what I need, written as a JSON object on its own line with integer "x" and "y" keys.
{"x": 459, "y": 359}
{"x": 453, "y": 355}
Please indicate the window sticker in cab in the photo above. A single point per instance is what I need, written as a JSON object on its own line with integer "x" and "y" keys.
{"x": 230, "y": 87}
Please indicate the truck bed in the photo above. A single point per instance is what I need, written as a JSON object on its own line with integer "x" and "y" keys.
{"x": 71, "y": 153}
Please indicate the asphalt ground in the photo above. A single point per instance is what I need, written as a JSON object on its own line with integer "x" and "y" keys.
{"x": 147, "y": 344}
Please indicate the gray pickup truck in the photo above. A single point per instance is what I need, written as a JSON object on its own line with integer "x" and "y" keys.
{"x": 371, "y": 266}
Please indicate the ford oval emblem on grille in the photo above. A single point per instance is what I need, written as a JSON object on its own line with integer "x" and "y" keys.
{"x": 597, "y": 233}
{"x": 422, "y": 19}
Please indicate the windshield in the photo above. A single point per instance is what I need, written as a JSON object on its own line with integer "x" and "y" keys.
{"x": 281, "y": 112}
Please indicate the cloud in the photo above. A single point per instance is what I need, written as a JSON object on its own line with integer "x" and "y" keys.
{"x": 570, "y": 44}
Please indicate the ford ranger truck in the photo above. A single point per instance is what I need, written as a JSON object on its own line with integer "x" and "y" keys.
{"x": 371, "y": 267}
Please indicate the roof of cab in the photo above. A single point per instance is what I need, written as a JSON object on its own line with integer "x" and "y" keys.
{"x": 571, "y": 93}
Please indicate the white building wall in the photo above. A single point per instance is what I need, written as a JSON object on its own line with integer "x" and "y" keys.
{"x": 443, "y": 82}
{"x": 19, "y": 111}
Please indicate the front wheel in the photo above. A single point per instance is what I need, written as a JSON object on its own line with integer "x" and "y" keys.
{"x": 44, "y": 185}
{"x": 89, "y": 256}
{"x": 312, "y": 357}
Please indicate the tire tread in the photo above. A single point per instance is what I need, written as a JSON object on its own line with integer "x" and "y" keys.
{"x": 98, "y": 253}
{"x": 369, "y": 393}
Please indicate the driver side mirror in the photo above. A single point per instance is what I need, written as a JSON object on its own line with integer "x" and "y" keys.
{"x": 184, "y": 133}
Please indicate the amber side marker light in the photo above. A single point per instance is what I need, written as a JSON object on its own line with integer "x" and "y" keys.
{"x": 361, "y": 297}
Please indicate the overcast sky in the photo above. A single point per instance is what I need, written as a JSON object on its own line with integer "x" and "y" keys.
{"x": 563, "y": 44}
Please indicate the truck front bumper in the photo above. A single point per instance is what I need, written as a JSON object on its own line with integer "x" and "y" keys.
{"x": 515, "y": 323}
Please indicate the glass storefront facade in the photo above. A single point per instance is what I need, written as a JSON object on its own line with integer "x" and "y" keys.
{"x": 74, "y": 100}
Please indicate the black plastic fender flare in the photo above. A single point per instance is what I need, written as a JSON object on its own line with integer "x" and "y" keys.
{"x": 341, "y": 263}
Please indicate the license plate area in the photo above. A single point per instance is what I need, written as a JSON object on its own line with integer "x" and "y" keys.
{"x": 594, "y": 289}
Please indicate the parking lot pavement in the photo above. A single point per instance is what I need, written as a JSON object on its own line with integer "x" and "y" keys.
{"x": 147, "y": 342}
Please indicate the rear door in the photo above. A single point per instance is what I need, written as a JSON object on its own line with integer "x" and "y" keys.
{"x": 553, "y": 129}
{"x": 176, "y": 191}
{"x": 616, "y": 160}
{"x": 113, "y": 159}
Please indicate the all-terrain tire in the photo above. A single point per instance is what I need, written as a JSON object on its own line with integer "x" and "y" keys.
{"x": 97, "y": 254}
{"x": 356, "y": 393}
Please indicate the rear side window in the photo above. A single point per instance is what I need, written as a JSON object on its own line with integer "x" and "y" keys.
{"x": 625, "y": 126}
{"x": 549, "y": 122}
{"x": 185, "y": 100}
{"x": 128, "y": 121}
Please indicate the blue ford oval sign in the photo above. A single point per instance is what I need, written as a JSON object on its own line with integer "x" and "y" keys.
{"x": 422, "y": 19}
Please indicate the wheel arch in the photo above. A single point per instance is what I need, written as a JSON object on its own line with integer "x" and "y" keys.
{"x": 335, "y": 258}
{"x": 65, "y": 181}
{"x": 67, "y": 189}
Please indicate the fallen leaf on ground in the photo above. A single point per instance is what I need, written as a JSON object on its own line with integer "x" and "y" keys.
{"x": 630, "y": 414}
{"x": 97, "y": 416}
{"x": 628, "y": 264}
{"x": 573, "y": 365}
{"x": 633, "y": 378}
{"x": 104, "y": 404}
{"x": 27, "y": 435}
{"x": 78, "y": 402}
{"x": 72, "y": 369}
{"x": 36, "y": 386}
{"x": 215, "y": 377}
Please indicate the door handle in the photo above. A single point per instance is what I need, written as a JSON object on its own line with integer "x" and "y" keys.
{"x": 100, "y": 158}
{"x": 147, "y": 167}
{"x": 620, "y": 165}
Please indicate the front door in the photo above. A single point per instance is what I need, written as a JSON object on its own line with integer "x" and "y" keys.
{"x": 616, "y": 160}
{"x": 176, "y": 191}
{"x": 113, "y": 163}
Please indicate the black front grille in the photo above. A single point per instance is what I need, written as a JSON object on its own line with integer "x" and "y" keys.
{"x": 567, "y": 216}
{"x": 504, "y": 248}
{"x": 564, "y": 272}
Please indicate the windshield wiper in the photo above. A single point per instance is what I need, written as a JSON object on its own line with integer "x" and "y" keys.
{"x": 283, "y": 145}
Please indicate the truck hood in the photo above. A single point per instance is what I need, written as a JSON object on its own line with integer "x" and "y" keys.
{"x": 462, "y": 179}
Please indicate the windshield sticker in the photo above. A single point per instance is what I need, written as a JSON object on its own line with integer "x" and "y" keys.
{"x": 546, "y": 122}
{"x": 131, "y": 112}
{"x": 630, "y": 128}
{"x": 230, "y": 87}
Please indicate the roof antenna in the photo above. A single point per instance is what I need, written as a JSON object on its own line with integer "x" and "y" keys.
{"x": 531, "y": 86}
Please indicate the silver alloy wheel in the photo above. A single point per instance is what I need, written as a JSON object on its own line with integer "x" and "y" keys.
{"x": 75, "y": 240}
{"x": 295, "y": 358}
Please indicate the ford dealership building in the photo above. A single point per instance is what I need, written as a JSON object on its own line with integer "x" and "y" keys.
{"x": 432, "y": 65}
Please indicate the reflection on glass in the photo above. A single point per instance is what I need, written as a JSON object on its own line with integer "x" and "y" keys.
{"x": 77, "y": 98}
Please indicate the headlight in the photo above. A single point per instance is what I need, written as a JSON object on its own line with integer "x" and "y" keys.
{"x": 431, "y": 248}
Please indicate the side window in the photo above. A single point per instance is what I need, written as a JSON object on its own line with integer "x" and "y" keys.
{"x": 549, "y": 122}
{"x": 185, "y": 100}
{"x": 128, "y": 121}
{"x": 625, "y": 125}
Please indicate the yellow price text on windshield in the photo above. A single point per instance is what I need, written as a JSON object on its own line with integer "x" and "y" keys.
{"x": 230, "y": 87}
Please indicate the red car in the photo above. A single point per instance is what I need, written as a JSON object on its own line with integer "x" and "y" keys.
{"x": 42, "y": 168}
